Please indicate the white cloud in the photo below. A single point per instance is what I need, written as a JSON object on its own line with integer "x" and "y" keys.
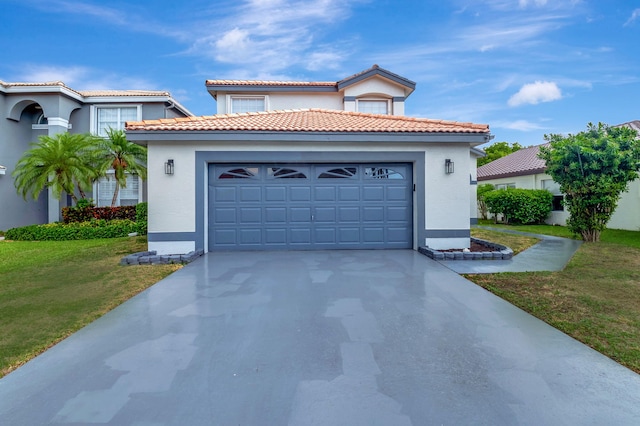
{"x": 525, "y": 3}
{"x": 276, "y": 34}
{"x": 634, "y": 15}
{"x": 521, "y": 125}
{"x": 534, "y": 93}
{"x": 82, "y": 78}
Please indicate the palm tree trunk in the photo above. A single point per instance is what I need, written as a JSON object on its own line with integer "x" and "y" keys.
{"x": 115, "y": 195}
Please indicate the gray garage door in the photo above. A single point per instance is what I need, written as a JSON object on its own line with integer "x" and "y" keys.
{"x": 310, "y": 206}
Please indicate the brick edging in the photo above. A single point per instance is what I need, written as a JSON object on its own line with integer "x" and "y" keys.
{"x": 500, "y": 252}
{"x": 152, "y": 258}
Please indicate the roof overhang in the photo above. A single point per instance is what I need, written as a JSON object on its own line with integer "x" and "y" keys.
{"x": 513, "y": 174}
{"x": 144, "y": 137}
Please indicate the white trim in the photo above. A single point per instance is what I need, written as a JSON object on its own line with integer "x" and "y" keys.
{"x": 172, "y": 247}
{"x": 58, "y": 121}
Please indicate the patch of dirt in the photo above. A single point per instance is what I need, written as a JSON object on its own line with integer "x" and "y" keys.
{"x": 475, "y": 247}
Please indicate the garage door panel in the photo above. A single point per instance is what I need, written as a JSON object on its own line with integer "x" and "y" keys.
{"x": 398, "y": 214}
{"x": 225, "y": 194}
{"x": 325, "y": 214}
{"x": 349, "y": 235}
{"x": 300, "y": 236}
{"x": 253, "y": 207}
{"x": 373, "y": 235}
{"x": 373, "y": 213}
{"x": 250, "y": 193}
{"x": 224, "y": 215}
{"x": 275, "y": 193}
{"x": 275, "y": 215}
{"x": 302, "y": 193}
{"x": 396, "y": 193}
{"x": 276, "y": 236}
{"x": 349, "y": 214}
{"x": 373, "y": 193}
{"x": 250, "y": 237}
{"x": 300, "y": 214}
{"x": 349, "y": 193}
{"x": 325, "y": 235}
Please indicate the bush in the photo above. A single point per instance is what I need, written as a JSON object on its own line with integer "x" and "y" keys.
{"x": 141, "y": 218}
{"x": 84, "y": 213}
{"x": 73, "y": 231}
{"x": 521, "y": 206}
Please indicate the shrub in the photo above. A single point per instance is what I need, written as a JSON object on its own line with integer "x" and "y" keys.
{"x": 522, "y": 206}
{"x": 87, "y": 213}
{"x": 73, "y": 231}
{"x": 141, "y": 217}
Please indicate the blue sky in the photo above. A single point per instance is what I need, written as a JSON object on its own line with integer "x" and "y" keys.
{"x": 525, "y": 67}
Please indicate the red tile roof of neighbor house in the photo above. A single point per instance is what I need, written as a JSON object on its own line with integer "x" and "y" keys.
{"x": 520, "y": 163}
{"x": 308, "y": 120}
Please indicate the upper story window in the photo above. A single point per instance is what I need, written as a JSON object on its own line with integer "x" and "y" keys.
{"x": 373, "y": 106}
{"x": 238, "y": 104}
{"x": 114, "y": 117}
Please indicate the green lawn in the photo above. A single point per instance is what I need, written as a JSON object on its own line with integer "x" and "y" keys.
{"x": 596, "y": 299}
{"x": 49, "y": 289}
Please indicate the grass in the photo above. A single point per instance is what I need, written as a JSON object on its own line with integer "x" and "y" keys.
{"x": 517, "y": 243}
{"x": 596, "y": 299}
{"x": 50, "y": 289}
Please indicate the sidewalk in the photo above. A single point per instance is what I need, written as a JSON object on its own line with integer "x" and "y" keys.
{"x": 550, "y": 254}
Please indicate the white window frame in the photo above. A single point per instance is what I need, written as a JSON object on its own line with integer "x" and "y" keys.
{"x": 230, "y": 99}
{"x": 93, "y": 114}
{"x": 505, "y": 185}
{"x": 110, "y": 173}
{"x": 380, "y": 100}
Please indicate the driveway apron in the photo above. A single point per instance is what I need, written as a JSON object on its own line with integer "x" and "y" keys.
{"x": 385, "y": 337}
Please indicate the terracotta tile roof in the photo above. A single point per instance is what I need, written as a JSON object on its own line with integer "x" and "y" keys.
{"x": 90, "y": 93}
{"x": 47, "y": 83}
{"x": 522, "y": 162}
{"x": 269, "y": 83}
{"x": 308, "y": 120}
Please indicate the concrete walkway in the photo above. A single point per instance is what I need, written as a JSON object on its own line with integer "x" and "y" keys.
{"x": 319, "y": 338}
{"x": 550, "y": 254}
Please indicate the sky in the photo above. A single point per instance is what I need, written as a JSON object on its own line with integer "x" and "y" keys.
{"x": 525, "y": 67}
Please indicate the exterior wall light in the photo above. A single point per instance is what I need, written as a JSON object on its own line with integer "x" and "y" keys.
{"x": 3, "y": 170}
{"x": 448, "y": 166}
{"x": 168, "y": 167}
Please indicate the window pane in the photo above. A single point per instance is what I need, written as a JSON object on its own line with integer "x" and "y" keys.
{"x": 382, "y": 173}
{"x": 114, "y": 118}
{"x": 373, "y": 107}
{"x": 247, "y": 104}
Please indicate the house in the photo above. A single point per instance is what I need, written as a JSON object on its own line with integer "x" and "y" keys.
{"x": 309, "y": 165}
{"x": 523, "y": 169}
{"x": 29, "y": 110}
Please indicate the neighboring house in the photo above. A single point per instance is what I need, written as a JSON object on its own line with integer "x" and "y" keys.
{"x": 308, "y": 165}
{"x": 523, "y": 169}
{"x": 29, "y": 110}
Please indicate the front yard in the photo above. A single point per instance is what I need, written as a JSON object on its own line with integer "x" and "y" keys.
{"x": 596, "y": 299}
{"x": 50, "y": 289}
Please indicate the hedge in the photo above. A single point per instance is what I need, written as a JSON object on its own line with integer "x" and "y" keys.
{"x": 141, "y": 218}
{"x": 87, "y": 213}
{"x": 73, "y": 231}
{"x": 522, "y": 206}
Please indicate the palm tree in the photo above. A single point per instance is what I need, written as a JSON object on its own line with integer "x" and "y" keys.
{"x": 58, "y": 162}
{"x": 117, "y": 153}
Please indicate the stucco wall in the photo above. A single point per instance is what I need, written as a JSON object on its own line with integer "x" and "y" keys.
{"x": 444, "y": 205}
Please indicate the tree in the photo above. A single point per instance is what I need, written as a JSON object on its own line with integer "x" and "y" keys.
{"x": 482, "y": 205}
{"x": 117, "y": 153}
{"x": 59, "y": 162}
{"x": 593, "y": 168}
{"x": 498, "y": 150}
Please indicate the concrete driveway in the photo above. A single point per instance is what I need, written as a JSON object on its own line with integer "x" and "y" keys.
{"x": 319, "y": 338}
